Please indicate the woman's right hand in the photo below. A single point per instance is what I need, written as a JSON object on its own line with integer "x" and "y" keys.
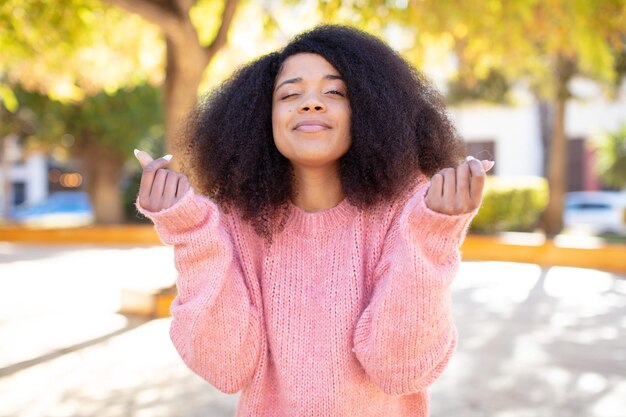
{"x": 160, "y": 188}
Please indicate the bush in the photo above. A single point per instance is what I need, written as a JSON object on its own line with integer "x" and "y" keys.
{"x": 130, "y": 190}
{"x": 511, "y": 204}
{"x": 154, "y": 145}
{"x": 611, "y": 157}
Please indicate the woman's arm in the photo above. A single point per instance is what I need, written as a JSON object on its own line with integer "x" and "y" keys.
{"x": 216, "y": 326}
{"x": 406, "y": 336}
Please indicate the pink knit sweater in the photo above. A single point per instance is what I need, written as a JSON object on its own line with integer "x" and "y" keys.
{"x": 347, "y": 313}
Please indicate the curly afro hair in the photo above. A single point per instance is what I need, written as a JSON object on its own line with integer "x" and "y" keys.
{"x": 399, "y": 129}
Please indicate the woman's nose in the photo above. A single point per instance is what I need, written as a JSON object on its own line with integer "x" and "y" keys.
{"x": 312, "y": 103}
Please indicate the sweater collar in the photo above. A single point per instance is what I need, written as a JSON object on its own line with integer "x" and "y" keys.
{"x": 314, "y": 223}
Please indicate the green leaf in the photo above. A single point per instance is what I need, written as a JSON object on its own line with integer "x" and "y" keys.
{"x": 7, "y": 98}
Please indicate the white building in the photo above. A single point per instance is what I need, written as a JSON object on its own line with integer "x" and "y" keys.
{"x": 512, "y": 135}
{"x": 23, "y": 177}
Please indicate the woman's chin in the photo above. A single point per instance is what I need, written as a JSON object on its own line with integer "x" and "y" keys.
{"x": 319, "y": 162}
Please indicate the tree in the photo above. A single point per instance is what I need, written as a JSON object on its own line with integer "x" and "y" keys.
{"x": 76, "y": 49}
{"x": 542, "y": 43}
{"x": 92, "y": 130}
{"x": 69, "y": 54}
{"x": 133, "y": 114}
{"x": 72, "y": 49}
{"x": 186, "y": 57}
{"x": 545, "y": 44}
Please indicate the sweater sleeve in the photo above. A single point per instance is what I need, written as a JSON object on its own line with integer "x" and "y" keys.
{"x": 215, "y": 328}
{"x": 406, "y": 336}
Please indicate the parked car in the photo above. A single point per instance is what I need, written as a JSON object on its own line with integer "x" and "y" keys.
{"x": 60, "y": 209}
{"x": 595, "y": 211}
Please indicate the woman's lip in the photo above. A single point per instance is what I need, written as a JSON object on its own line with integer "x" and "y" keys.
{"x": 311, "y": 127}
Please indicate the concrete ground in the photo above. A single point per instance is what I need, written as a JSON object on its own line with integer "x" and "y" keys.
{"x": 534, "y": 341}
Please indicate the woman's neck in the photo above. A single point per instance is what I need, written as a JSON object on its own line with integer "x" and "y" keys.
{"x": 317, "y": 189}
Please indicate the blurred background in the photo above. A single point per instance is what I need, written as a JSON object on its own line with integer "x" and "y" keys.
{"x": 85, "y": 286}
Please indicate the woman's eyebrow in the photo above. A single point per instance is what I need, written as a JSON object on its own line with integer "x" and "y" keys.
{"x": 299, "y": 79}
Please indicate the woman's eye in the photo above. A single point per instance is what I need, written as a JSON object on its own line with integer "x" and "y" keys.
{"x": 336, "y": 92}
{"x": 286, "y": 96}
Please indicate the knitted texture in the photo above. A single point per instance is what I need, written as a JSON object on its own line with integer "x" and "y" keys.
{"x": 347, "y": 313}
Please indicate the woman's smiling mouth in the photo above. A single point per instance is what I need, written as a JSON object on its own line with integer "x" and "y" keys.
{"x": 311, "y": 126}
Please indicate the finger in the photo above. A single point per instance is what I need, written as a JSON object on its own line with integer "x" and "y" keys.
{"x": 147, "y": 178}
{"x": 487, "y": 165}
{"x": 463, "y": 181}
{"x": 158, "y": 187}
{"x": 477, "y": 182}
{"x": 449, "y": 184}
{"x": 143, "y": 157}
{"x": 436, "y": 185}
{"x": 435, "y": 191}
{"x": 183, "y": 186}
{"x": 169, "y": 192}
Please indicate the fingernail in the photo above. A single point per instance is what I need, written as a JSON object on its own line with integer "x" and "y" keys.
{"x": 489, "y": 165}
{"x": 469, "y": 158}
{"x": 136, "y": 151}
{"x": 167, "y": 157}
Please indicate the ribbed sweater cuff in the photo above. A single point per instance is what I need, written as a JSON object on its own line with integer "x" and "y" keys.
{"x": 186, "y": 214}
{"x": 440, "y": 232}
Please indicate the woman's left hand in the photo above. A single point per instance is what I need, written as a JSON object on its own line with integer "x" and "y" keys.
{"x": 458, "y": 190}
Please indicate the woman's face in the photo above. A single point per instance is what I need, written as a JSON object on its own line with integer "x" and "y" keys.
{"x": 310, "y": 112}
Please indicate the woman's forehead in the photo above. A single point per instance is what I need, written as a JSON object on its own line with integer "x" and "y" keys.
{"x": 305, "y": 65}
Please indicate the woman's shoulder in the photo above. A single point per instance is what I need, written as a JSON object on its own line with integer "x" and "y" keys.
{"x": 391, "y": 208}
{"x": 248, "y": 246}
{"x": 234, "y": 222}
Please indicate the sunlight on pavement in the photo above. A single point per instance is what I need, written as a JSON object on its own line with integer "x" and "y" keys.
{"x": 64, "y": 349}
{"x": 498, "y": 286}
{"x": 80, "y": 278}
{"x": 135, "y": 374}
{"x": 613, "y": 403}
{"x": 53, "y": 298}
{"x": 582, "y": 292}
{"x": 539, "y": 341}
{"x": 37, "y": 336}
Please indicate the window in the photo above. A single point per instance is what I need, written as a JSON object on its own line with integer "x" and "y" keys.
{"x": 18, "y": 189}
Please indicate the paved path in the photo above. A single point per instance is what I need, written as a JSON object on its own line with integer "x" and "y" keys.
{"x": 534, "y": 342}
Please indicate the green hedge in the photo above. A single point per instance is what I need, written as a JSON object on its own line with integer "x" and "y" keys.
{"x": 129, "y": 195}
{"x": 511, "y": 204}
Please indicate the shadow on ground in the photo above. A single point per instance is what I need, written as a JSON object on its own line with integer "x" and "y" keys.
{"x": 533, "y": 342}
{"x": 536, "y": 342}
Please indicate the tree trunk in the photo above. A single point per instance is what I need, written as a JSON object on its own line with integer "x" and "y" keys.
{"x": 186, "y": 59}
{"x": 103, "y": 171}
{"x": 186, "y": 62}
{"x": 553, "y": 220}
{"x": 557, "y": 158}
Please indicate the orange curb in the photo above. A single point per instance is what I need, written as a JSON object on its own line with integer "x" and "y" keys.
{"x": 511, "y": 247}
{"x": 97, "y": 235}
{"x": 610, "y": 257}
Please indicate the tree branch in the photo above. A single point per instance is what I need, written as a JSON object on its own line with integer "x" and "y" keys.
{"x": 185, "y": 6}
{"x": 230, "y": 6}
{"x": 166, "y": 18}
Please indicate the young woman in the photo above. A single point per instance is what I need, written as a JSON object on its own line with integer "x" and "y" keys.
{"x": 316, "y": 252}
